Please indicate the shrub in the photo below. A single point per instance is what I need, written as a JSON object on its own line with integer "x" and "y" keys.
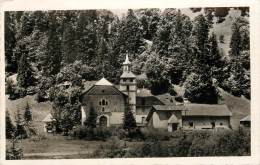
{"x": 172, "y": 91}
{"x": 150, "y": 149}
{"x": 9, "y": 127}
{"x": 155, "y": 134}
{"x": 83, "y": 132}
{"x": 19, "y": 92}
{"x": 9, "y": 89}
{"x": 179, "y": 98}
{"x": 27, "y": 113}
{"x": 14, "y": 153}
{"x": 115, "y": 149}
{"x": 31, "y": 90}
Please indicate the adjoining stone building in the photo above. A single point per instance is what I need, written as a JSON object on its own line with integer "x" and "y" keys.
{"x": 110, "y": 102}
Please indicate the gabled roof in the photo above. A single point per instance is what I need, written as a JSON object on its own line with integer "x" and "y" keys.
{"x": 167, "y": 99}
{"x": 247, "y": 118}
{"x": 103, "y": 90}
{"x": 173, "y": 119}
{"x": 169, "y": 107}
{"x": 206, "y": 110}
{"x": 101, "y": 87}
{"x": 127, "y": 75}
{"x": 104, "y": 81}
{"x": 48, "y": 118}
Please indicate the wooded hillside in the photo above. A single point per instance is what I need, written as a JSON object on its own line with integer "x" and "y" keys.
{"x": 49, "y": 48}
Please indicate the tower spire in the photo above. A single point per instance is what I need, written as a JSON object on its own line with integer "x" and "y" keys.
{"x": 127, "y": 60}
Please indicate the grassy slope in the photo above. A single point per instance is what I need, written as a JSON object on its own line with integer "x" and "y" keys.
{"x": 239, "y": 106}
{"x": 39, "y": 110}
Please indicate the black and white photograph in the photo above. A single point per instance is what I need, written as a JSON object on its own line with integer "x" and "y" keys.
{"x": 127, "y": 83}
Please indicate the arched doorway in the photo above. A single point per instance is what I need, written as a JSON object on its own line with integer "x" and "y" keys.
{"x": 103, "y": 121}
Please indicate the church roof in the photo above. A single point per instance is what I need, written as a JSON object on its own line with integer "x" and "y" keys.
{"x": 104, "y": 81}
{"x": 127, "y": 75}
{"x": 103, "y": 90}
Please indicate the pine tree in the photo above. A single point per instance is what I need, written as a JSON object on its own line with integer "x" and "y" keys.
{"x": 199, "y": 86}
{"x": 149, "y": 19}
{"x": 14, "y": 152}
{"x": 130, "y": 35}
{"x": 20, "y": 127}
{"x": 51, "y": 61}
{"x": 10, "y": 42}
{"x": 92, "y": 118}
{"x": 215, "y": 57}
{"x": 129, "y": 120}
{"x": 87, "y": 34}
{"x": 27, "y": 113}
{"x": 25, "y": 74}
{"x": 68, "y": 47}
{"x": 9, "y": 127}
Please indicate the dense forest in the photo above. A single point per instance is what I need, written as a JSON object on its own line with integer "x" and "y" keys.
{"x": 49, "y": 48}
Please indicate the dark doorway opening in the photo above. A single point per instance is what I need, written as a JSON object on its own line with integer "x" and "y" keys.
{"x": 103, "y": 121}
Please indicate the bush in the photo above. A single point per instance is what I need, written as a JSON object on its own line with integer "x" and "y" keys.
{"x": 9, "y": 127}
{"x": 14, "y": 153}
{"x": 155, "y": 134}
{"x": 179, "y": 99}
{"x": 31, "y": 90}
{"x": 9, "y": 89}
{"x": 150, "y": 149}
{"x": 172, "y": 91}
{"x": 83, "y": 132}
{"x": 19, "y": 92}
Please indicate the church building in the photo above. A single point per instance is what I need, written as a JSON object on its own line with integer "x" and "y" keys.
{"x": 110, "y": 102}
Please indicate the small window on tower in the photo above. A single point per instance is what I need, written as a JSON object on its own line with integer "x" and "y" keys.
{"x": 131, "y": 80}
{"x": 127, "y": 87}
{"x": 100, "y": 103}
{"x": 106, "y": 102}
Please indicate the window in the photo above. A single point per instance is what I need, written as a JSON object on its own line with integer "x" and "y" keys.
{"x": 127, "y": 87}
{"x": 100, "y": 103}
{"x": 106, "y": 103}
{"x": 143, "y": 101}
{"x": 131, "y": 80}
{"x": 103, "y": 109}
{"x": 191, "y": 124}
{"x": 103, "y": 102}
{"x": 220, "y": 123}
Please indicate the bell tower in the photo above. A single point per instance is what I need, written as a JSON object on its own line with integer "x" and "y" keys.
{"x": 128, "y": 84}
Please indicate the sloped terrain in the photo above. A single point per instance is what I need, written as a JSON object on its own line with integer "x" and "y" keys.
{"x": 239, "y": 106}
{"x": 39, "y": 110}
